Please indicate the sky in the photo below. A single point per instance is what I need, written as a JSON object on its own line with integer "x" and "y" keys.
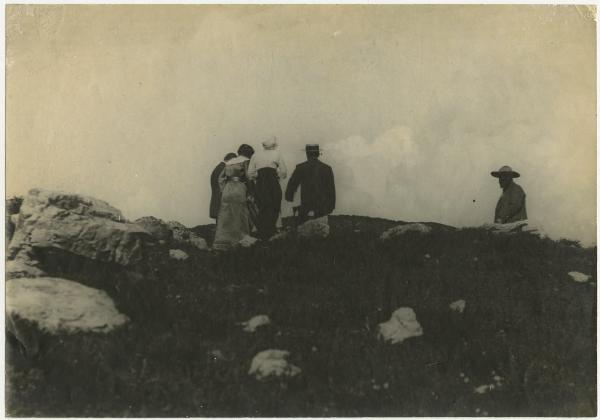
{"x": 413, "y": 106}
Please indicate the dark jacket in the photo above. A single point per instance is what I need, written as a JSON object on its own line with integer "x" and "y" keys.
{"x": 317, "y": 187}
{"x": 215, "y": 198}
{"x": 511, "y": 205}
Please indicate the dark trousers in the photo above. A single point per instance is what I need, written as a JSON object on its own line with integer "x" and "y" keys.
{"x": 268, "y": 199}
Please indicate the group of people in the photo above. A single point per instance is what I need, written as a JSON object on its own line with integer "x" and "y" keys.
{"x": 247, "y": 194}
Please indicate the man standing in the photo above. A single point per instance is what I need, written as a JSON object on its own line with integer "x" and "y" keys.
{"x": 511, "y": 205}
{"x": 215, "y": 197}
{"x": 267, "y": 168}
{"x": 317, "y": 187}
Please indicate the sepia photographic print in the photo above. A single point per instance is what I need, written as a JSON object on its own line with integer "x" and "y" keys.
{"x": 300, "y": 210}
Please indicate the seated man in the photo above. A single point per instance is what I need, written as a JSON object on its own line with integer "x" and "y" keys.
{"x": 317, "y": 187}
{"x": 511, "y": 205}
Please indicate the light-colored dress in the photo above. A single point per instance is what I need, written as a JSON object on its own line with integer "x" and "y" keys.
{"x": 233, "y": 222}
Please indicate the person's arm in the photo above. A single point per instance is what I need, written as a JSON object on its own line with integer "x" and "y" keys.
{"x": 516, "y": 203}
{"x": 332, "y": 189}
{"x": 292, "y": 185}
{"x": 281, "y": 168}
{"x": 252, "y": 172}
{"x": 222, "y": 180}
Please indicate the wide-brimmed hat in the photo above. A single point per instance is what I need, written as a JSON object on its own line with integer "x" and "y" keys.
{"x": 505, "y": 171}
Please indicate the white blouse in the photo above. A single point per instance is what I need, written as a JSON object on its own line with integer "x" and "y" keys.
{"x": 267, "y": 159}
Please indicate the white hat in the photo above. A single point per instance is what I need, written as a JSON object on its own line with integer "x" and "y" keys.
{"x": 270, "y": 143}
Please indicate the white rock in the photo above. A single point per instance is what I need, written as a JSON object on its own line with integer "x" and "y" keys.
{"x": 402, "y": 229}
{"x": 198, "y": 242}
{"x": 247, "y": 241}
{"x": 458, "y": 306}
{"x": 482, "y": 389}
{"x": 58, "y": 305}
{"x": 314, "y": 228}
{"x": 23, "y": 266}
{"x": 515, "y": 227}
{"x": 178, "y": 254}
{"x": 402, "y": 325}
{"x": 272, "y": 363}
{"x": 256, "y": 321}
{"x": 579, "y": 277}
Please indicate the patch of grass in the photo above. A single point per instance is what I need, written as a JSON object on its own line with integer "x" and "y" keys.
{"x": 525, "y": 320}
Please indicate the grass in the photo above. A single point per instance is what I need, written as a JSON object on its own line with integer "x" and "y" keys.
{"x": 525, "y": 320}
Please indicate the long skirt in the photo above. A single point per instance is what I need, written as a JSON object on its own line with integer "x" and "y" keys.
{"x": 268, "y": 198}
{"x": 233, "y": 222}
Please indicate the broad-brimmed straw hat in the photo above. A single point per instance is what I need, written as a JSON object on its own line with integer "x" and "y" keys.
{"x": 505, "y": 171}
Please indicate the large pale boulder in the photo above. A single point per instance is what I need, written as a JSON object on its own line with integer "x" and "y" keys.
{"x": 56, "y": 306}
{"x": 402, "y": 229}
{"x": 80, "y": 225}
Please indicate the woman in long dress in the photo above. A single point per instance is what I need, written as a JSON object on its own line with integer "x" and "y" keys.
{"x": 233, "y": 223}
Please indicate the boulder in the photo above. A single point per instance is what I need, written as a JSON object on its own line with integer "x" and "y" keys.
{"x": 521, "y": 226}
{"x": 55, "y": 306}
{"x": 248, "y": 241}
{"x": 159, "y": 229}
{"x": 402, "y": 325}
{"x": 183, "y": 235}
{"x": 13, "y": 205}
{"x": 23, "y": 265}
{"x": 315, "y": 228}
{"x": 80, "y": 225}
{"x": 272, "y": 363}
{"x": 402, "y": 229}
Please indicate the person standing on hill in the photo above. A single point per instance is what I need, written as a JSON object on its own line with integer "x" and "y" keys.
{"x": 511, "y": 205}
{"x": 317, "y": 186}
{"x": 215, "y": 197}
{"x": 267, "y": 168}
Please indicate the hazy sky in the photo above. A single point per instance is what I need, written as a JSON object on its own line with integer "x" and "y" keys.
{"x": 414, "y": 105}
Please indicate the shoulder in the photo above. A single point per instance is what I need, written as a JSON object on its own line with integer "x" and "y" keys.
{"x": 517, "y": 189}
{"x": 324, "y": 165}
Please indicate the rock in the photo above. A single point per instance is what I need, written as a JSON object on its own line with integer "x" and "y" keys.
{"x": 183, "y": 235}
{"x": 402, "y": 229}
{"x": 13, "y": 205}
{"x": 458, "y": 306}
{"x": 178, "y": 254}
{"x": 272, "y": 363}
{"x": 579, "y": 277}
{"x": 482, "y": 389}
{"x": 256, "y": 321}
{"x": 521, "y": 226}
{"x": 315, "y": 228}
{"x": 157, "y": 228}
{"x": 61, "y": 306}
{"x": 402, "y": 325}
{"x": 284, "y": 234}
{"x": 23, "y": 268}
{"x": 198, "y": 242}
{"x": 80, "y": 225}
{"x": 247, "y": 241}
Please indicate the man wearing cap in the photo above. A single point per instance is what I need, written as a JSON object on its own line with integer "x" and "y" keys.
{"x": 267, "y": 168}
{"x": 215, "y": 197}
{"x": 317, "y": 186}
{"x": 511, "y": 205}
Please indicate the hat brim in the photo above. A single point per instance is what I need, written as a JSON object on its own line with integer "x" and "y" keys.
{"x": 512, "y": 174}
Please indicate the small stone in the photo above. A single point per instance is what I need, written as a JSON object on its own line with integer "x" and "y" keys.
{"x": 386, "y": 385}
{"x": 178, "y": 254}
{"x": 466, "y": 380}
{"x": 579, "y": 277}
{"x": 376, "y": 387}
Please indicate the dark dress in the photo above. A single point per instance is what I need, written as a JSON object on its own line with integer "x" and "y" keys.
{"x": 215, "y": 197}
{"x": 317, "y": 193}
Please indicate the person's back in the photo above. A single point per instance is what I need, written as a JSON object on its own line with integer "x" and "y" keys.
{"x": 317, "y": 186}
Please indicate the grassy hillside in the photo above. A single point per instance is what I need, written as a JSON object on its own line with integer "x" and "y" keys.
{"x": 525, "y": 321}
